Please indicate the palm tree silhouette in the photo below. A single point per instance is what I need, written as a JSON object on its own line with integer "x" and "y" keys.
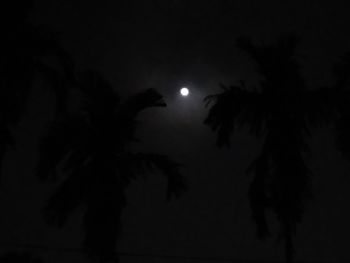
{"x": 280, "y": 111}
{"x": 342, "y": 124}
{"x": 29, "y": 53}
{"x": 94, "y": 149}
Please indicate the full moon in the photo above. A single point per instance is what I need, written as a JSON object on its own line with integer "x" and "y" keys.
{"x": 184, "y": 91}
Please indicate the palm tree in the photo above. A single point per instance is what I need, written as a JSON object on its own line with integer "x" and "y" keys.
{"x": 342, "y": 124}
{"x": 280, "y": 111}
{"x": 93, "y": 147}
{"x": 29, "y": 53}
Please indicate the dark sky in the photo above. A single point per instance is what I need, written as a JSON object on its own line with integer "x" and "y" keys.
{"x": 168, "y": 44}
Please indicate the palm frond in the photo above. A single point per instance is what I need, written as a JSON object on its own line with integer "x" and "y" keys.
{"x": 67, "y": 197}
{"x": 233, "y": 108}
{"x": 342, "y": 128}
{"x": 341, "y": 71}
{"x": 97, "y": 89}
{"x": 283, "y": 49}
{"x": 54, "y": 64}
{"x": 125, "y": 117}
{"x": 63, "y": 137}
{"x": 6, "y": 140}
{"x": 15, "y": 86}
{"x": 142, "y": 163}
{"x": 58, "y": 83}
{"x": 139, "y": 102}
{"x": 322, "y": 105}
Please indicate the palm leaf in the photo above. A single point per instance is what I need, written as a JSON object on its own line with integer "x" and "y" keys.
{"x": 139, "y": 102}
{"x": 67, "y": 197}
{"x": 132, "y": 165}
{"x": 341, "y": 72}
{"x": 6, "y": 140}
{"x": 63, "y": 137}
{"x": 322, "y": 105}
{"x": 125, "y": 117}
{"x": 233, "y": 108}
{"x": 99, "y": 96}
{"x": 342, "y": 128}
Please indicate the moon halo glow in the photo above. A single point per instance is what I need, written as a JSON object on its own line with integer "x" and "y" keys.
{"x": 184, "y": 92}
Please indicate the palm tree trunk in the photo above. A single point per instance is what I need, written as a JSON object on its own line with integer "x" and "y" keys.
{"x": 288, "y": 245}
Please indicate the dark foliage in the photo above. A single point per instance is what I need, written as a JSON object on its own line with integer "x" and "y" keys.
{"x": 342, "y": 125}
{"x": 29, "y": 53}
{"x": 281, "y": 111}
{"x": 93, "y": 148}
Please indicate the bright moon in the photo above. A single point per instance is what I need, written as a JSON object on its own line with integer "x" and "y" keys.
{"x": 184, "y": 91}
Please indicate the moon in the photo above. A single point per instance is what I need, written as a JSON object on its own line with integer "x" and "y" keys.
{"x": 184, "y": 91}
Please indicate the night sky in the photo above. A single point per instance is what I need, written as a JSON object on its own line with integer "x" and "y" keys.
{"x": 167, "y": 45}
